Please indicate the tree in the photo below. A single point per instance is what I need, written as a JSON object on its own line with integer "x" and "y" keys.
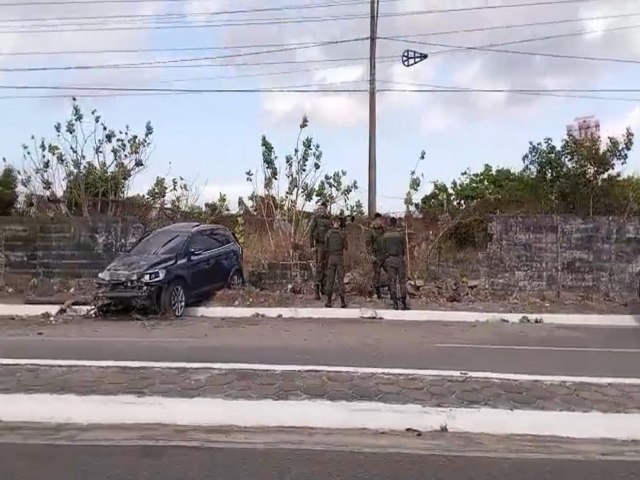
{"x": 282, "y": 193}
{"x": 415, "y": 182}
{"x": 592, "y": 162}
{"x": 546, "y": 165}
{"x": 439, "y": 201}
{"x": 88, "y": 161}
{"x": 177, "y": 195}
{"x": 8, "y": 189}
{"x": 580, "y": 176}
{"x": 569, "y": 178}
{"x": 336, "y": 191}
{"x": 217, "y": 208}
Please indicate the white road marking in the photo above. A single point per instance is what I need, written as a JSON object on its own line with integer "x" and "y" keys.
{"x": 534, "y": 347}
{"x": 128, "y": 410}
{"x": 316, "y": 368}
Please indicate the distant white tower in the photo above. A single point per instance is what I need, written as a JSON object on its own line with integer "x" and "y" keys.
{"x": 583, "y": 127}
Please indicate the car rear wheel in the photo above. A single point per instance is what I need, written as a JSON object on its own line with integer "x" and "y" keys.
{"x": 174, "y": 299}
{"x": 235, "y": 280}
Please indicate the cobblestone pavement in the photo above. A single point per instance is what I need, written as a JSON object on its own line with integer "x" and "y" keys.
{"x": 394, "y": 389}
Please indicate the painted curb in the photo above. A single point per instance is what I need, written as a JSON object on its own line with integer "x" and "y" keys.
{"x": 467, "y": 374}
{"x": 9, "y": 310}
{"x": 131, "y": 410}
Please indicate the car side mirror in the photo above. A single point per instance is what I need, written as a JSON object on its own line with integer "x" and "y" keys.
{"x": 195, "y": 252}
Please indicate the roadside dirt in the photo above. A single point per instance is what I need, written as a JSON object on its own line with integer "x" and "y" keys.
{"x": 256, "y": 298}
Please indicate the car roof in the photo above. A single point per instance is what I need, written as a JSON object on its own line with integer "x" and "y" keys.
{"x": 190, "y": 227}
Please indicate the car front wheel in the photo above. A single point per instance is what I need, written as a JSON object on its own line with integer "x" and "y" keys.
{"x": 174, "y": 299}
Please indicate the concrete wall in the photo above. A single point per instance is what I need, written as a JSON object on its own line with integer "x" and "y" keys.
{"x": 70, "y": 248}
{"x": 563, "y": 254}
{"x": 538, "y": 254}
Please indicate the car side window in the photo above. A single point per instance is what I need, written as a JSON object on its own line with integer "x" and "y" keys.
{"x": 202, "y": 242}
{"x": 222, "y": 238}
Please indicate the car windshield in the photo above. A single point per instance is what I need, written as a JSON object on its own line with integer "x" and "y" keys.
{"x": 160, "y": 243}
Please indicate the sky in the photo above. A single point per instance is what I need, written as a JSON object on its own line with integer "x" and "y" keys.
{"x": 211, "y": 139}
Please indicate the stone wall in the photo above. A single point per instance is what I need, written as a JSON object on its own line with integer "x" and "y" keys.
{"x": 564, "y": 254}
{"x": 536, "y": 254}
{"x": 69, "y": 248}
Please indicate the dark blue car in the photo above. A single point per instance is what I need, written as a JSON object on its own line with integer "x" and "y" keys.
{"x": 173, "y": 267}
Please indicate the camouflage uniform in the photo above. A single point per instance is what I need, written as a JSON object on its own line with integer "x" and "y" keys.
{"x": 318, "y": 230}
{"x": 394, "y": 265}
{"x": 336, "y": 244}
{"x": 376, "y": 250}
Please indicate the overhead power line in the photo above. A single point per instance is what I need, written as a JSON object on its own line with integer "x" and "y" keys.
{"x": 138, "y": 2}
{"x": 316, "y": 90}
{"x": 274, "y": 21}
{"x": 181, "y": 62}
{"x": 535, "y": 54}
{"x": 182, "y": 65}
{"x": 405, "y": 38}
{"x": 178, "y": 49}
{"x": 346, "y": 2}
{"x": 578, "y": 33}
{"x": 169, "y": 62}
{"x": 178, "y": 15}
{"x": 543, "y": 94}
{"x": 513, "y": 26}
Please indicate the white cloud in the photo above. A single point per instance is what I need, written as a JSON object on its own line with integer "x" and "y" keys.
{"x": 334, "y": 109}
{"x": 129, "y": 32}
{"x": 617, "y": 127}
{"x": 462, "y": 69}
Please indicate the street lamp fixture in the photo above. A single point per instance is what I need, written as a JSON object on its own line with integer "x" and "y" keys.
{"x": 411, "y": 57}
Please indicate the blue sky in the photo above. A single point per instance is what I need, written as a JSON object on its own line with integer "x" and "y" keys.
{"x": 213, "y": 139}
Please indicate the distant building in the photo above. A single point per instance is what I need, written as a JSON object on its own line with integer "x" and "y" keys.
{"x": 584, "y": 127}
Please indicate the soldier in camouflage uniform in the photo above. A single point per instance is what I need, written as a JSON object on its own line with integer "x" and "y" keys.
{"x": 319, "y": 227}
{"x": 376, "y": 251}
{"x": 395, "y": 249}
{"x": 336, "y": 244}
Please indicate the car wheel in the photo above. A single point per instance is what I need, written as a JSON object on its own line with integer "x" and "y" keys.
{"x": 235, "y": 280}
{"x": 174, "y": 299}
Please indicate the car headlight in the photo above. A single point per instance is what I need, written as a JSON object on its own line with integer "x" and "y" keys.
{"x": 104, "y": 276}
{"x": 154, "y": 276}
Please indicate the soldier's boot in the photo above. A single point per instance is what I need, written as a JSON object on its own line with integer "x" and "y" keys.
{"x": 343, "y": 302}
{"x": 394, "y": 299}
{"x": 403, "y": 301}
{"x": 378, "y": 293}
{"x": 317, "y": 291}
{"x": 329, "y": 301}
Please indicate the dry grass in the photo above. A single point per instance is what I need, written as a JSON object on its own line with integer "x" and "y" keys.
{"x": 425, "y": 261}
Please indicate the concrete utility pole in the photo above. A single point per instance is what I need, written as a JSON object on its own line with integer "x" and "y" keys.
{"x": 372, "y": 208}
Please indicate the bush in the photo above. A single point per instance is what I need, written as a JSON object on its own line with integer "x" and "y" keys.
{"x": 8, "y": 190}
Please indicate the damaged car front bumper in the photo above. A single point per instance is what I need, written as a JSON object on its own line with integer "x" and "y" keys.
{"x": 136, "y": 290}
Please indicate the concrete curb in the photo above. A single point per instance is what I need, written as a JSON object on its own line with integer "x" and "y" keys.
{"x": 132, "y": 410}
{"x": 9, "y": 310}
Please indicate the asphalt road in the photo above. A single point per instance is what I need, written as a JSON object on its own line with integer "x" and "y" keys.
{"x": 533, "y": 349}
{"x": 55, "y": 462}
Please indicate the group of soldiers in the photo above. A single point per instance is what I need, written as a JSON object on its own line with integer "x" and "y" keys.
{"x": 386, "y": 247}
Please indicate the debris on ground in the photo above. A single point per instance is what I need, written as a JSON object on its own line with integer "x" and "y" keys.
{"x": 526, "y": 319}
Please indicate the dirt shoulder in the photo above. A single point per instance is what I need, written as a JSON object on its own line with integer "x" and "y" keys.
{"x": 257, "y": 298}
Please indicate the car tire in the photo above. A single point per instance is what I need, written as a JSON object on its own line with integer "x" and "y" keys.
{"x": 236, "y": 281}
{"x": 174, "y": 299}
